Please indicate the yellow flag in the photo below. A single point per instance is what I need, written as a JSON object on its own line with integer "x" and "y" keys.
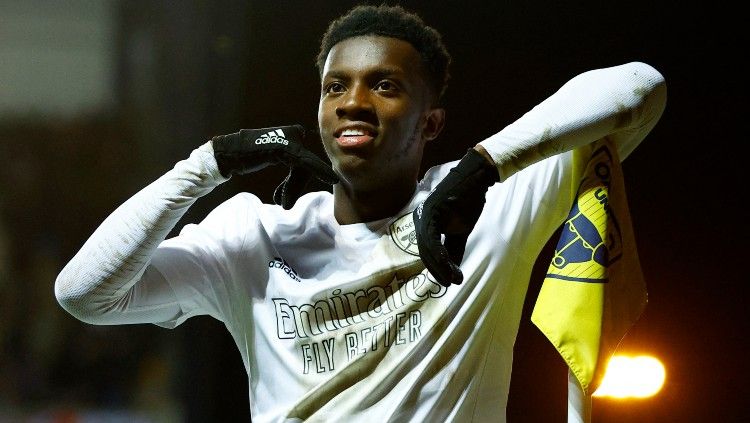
{"x": 594, "y": 290}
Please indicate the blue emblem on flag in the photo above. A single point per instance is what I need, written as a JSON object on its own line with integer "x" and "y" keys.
{"x": 590, "y": 239}
{"x": 580, "y": 242}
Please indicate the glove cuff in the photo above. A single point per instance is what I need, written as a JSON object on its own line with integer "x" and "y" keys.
{"x": 226, "y": 149}
{"x": 475, "y": 166}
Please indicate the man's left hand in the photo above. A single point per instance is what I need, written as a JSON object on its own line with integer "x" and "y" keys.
{"x": 452, "y": 209}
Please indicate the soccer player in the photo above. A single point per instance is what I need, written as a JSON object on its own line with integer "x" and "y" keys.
{"x": 390, "y": 299}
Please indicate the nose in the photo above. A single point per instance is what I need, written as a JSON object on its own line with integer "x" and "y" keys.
{"x": 355, "y": 103}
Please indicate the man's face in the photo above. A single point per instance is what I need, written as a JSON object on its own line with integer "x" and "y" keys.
{"x": 375, "y": 111}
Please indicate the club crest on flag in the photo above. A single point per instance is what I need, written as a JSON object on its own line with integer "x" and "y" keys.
{"x": 591, "y": 238}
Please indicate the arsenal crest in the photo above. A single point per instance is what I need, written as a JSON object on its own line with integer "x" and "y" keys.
{"x": 404, "y": 235}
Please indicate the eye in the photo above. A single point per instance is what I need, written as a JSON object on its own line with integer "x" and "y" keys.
{"x": 385, "y": 85}
{"x": 334, "y": 87}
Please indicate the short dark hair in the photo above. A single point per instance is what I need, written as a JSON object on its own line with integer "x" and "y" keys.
{"x": 395, "y": 22}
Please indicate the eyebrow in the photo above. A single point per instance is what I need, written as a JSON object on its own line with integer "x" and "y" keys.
{"x": 377, "y": 73}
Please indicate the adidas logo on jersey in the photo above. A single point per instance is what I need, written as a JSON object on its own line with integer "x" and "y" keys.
{"x": 280, "y": 263}
{"x": 273, "y": 137}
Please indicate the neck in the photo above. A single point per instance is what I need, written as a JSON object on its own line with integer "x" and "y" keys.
{"x": 357, "y": 206}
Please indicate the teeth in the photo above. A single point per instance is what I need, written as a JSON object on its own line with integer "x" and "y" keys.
{"x": 352, "y": 132}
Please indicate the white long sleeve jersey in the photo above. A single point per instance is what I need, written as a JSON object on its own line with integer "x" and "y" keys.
{"x": 342, "y": 322}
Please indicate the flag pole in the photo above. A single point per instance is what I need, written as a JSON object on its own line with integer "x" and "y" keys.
{"x": 579, "y": 404}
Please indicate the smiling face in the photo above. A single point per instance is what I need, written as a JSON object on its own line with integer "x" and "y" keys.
{"x": 375, "y": 112}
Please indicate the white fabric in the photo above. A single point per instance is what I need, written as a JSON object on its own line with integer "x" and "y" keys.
{"x": 579, "y": 404}
{"x": 452, "y": 338}
{"x": 339, "y": 322}
{"x": 98, "y": 284}
{"x": 621, "y": 102}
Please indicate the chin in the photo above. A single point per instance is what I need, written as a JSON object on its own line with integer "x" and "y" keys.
{"x": 352, "y": 166}
{"x": 357, "y": 172}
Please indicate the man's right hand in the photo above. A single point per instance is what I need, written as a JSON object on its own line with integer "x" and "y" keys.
{"x": 250, "y": 150}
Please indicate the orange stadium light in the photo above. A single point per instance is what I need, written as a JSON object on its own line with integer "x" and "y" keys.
{"x": 632, "y": 377}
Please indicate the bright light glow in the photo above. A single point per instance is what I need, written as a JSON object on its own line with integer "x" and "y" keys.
{"x": 632, "y": 377}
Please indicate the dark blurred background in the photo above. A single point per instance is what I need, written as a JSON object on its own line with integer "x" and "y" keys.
{"x": 99, "y": 98}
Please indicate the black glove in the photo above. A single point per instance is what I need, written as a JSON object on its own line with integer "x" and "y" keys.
{"x": 453, "y": 209}
{"x": 251, "y": 150}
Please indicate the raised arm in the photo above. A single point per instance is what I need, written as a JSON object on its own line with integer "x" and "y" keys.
{"x": 622, "y": 103}
{"x": 110, "y": 281}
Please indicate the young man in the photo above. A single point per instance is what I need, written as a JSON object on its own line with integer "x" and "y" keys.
{"x": 329, "y": 302}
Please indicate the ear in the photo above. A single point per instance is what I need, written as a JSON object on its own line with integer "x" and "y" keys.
{"x": 434, "y": 122}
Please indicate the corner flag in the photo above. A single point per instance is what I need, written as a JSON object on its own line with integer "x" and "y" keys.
{"x": 594, "y": 290}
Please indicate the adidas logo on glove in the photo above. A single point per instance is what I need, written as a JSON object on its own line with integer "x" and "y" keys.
{"x": 273, "y": 137}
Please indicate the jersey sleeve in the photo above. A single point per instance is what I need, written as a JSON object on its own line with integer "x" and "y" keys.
{"x": 205, "y": 264}
{"x": 110, "y": 279}
{"x": 622, "y": 103}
